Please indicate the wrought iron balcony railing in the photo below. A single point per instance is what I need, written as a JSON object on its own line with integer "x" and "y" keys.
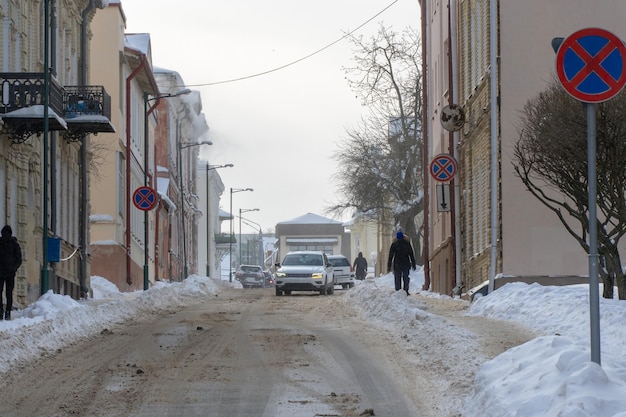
{"x": 86, "y": 100}
{"x": 224, "y": 238}
{"x": 76, "y": 110}
{"x": 19, "y": 90}
{"x": 86, "y": 109}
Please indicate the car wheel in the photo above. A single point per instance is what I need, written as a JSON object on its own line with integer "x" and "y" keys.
{"x": 344, "y": 286}
{"x": 278, "y": 292}
{"x": 287, "y": 292}
{"x": 331, "y": 290}
{"x": 323, "y": 291}
{"x": 351, "y": 285}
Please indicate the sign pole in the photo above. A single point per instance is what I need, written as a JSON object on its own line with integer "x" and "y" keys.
{"x": 591, "y": 66}
{"x": 594, "y": 296}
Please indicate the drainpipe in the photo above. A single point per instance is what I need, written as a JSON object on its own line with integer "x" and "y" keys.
{"x": 140, "y": 67}
{"x": 425, "y": 139}
{"x": 53, "y": 135}
{"x": 494, "y": 143}
{"x": 83, "y": 220}
{"x": 6, "y": 44}
{"x": 456, "y": 195}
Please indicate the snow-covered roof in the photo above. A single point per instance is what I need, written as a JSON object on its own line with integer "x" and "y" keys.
{"x": 138, "y": 41}
{"x": 311, "y": 218}
{"x": 162, "y": 186}
{"x": 224, "y": 214}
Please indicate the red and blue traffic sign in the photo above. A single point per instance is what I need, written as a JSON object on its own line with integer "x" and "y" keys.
{"x": 443, "y": 167}
{"x": 145, "y": 198}
{"x": 591, "y": 65}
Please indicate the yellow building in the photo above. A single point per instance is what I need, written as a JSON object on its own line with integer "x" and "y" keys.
{"x": 45, "y": 161}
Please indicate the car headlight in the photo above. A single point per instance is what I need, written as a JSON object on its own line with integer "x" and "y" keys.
{"x": 280, "y": 275}
{"x": 317, "y": 275}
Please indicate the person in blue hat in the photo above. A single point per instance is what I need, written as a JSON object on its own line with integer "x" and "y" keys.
{"x": 402, "y": 258}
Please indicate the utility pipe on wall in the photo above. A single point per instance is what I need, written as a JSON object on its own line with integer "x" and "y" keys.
{"x": 494, "y": 143}
{"x": 457, "y": 181}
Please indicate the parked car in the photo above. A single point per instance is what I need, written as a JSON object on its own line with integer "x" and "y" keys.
{"x": 250, "y": 276}
{"x": 342, "y": 271}
{"x": 304, "y": 271}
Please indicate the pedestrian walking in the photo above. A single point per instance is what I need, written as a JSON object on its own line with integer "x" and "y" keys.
{"x": 360, "y": 266}
{"x": 10, "y": 261}
{"x": 402, "y": 258}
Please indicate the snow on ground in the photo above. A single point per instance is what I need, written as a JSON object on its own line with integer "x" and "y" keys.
{"x": 552, "y": 375}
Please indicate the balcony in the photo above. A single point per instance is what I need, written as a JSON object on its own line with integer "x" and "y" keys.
{"x": 86, "y": 109}
{"x": 21, "y": 105}
{"x": 224, "y": 239}
{"x": 75, "y": 110}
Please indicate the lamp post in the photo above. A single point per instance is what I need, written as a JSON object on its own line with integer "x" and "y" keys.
{"x": 209, "y": 235}
{"x": 146, "y": 160}
{"x": 243, "y": 211}
{"x": 261, "y": 255}
{"x": 230, "y": 238}
{"x": 45, "y": 272}
{"x": 182, "y": 146}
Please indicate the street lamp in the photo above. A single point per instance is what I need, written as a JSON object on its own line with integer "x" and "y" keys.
{"x": 146, "y": 161}
{"x": 243, "y": 211}
{"x": 261, "y": 254}
{"x": 44, "y": 283}
{"x": 230, "y": 238}
{"x": 209, "y": 234}
{"x": 182, "y": 146}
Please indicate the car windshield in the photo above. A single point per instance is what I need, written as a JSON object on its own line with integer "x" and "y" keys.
{"x": 310, "y": 259}
{"x": 339, "y": 261}
{"x": 250, "y": 269}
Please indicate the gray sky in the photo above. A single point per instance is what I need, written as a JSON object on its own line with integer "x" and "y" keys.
{"x": 280, "y": 129}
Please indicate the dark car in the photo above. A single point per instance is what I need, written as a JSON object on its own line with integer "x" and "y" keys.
{"x": 250, "y": 276}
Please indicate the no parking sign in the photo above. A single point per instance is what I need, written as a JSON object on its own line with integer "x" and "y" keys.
{"x": 591, "y": 65}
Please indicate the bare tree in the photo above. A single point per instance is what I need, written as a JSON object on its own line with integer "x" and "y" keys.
{"x": 380, "y": 162}
{"x": 551, "y": 160}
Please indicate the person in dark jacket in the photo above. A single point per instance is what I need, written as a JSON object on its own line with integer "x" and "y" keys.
{"x": 360, "y": 266}
{"x": 10, "y": 261}
{"x": 402, "y": 258}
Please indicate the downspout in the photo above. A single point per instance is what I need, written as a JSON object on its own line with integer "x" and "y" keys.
{"x": 456, "y": 182}
{"x": 6, "y": 37}
{"x": 151, "y": 183}
{"x": 425, "y": 140}
{"x": 451, "y": 148}
{"x": 84, "y": 190}
{"x": 494, "y": 144}
{"x": 140, "y": 67}
{"x": 53, "y": 135}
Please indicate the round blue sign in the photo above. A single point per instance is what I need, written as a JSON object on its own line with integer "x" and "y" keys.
{"x": 591, "y": 65}
{"x": 144, "y": 198}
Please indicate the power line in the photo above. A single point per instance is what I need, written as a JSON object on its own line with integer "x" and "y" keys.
{"x": 297, "y": 60}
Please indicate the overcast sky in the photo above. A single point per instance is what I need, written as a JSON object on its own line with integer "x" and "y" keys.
{"x": 280, "y": 129}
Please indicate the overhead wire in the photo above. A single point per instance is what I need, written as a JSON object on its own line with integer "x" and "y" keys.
{"x": 349, "y": 33}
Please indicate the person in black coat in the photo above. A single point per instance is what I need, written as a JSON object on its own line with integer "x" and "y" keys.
{"x": 10, "y": 261}
{"x": 403, "y": 259}
{"x": 360, "y": 266}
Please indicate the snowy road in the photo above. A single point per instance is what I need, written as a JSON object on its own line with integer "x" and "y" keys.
{"x": 243, "y": 353}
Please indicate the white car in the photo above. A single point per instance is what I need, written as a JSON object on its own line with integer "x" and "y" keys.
{"x": 304, "y": 271}
{"x": 342, "y": 271}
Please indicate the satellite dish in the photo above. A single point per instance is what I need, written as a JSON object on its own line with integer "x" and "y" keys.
{"x": 452, "y": 117}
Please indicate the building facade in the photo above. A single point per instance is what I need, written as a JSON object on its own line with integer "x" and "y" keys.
{"x": 44, "y": 158}
{"x": 312, "y": 232}
{"x": 490, "y": 57}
